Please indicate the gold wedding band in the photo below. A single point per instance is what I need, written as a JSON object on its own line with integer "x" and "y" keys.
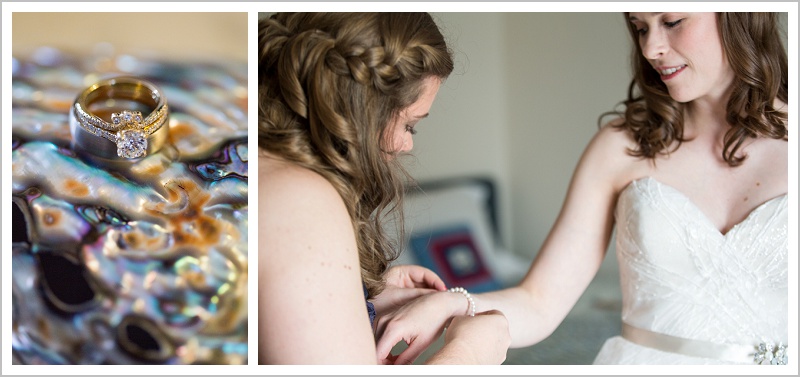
{"x": 107, "y": 123}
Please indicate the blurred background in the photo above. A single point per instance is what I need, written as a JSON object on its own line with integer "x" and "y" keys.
{"x": 187, "y": 36}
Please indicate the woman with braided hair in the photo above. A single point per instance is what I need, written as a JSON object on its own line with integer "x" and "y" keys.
{"x": 694, "y": 175}
{"x": 340, "y": 95}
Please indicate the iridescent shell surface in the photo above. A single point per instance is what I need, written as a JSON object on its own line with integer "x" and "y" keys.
{"x": 137, "y": 265}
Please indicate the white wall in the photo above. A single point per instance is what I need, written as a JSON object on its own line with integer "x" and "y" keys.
{"x": 570, "y": 68}
{"x": 521, "y": 106}
{"x": 467, "y": 131}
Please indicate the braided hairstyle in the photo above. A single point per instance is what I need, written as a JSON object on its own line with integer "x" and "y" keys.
{"x": 329, "y": 86}
{"x": 752, "y": 45}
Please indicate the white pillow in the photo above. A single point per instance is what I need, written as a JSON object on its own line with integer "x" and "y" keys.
{"x": 453, "y": 222}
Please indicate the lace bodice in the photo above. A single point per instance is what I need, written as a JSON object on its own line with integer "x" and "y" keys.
{"x": 680, "y": 276}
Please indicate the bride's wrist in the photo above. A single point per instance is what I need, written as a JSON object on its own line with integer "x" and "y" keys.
{"x": 460, "y": 301}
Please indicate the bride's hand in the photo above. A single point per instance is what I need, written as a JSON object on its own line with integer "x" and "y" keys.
{"x": 419, "y": 323}
{"x": 403, "y": 284}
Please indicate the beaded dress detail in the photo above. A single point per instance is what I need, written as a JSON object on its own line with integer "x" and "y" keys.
{"x": 682, "y": 277}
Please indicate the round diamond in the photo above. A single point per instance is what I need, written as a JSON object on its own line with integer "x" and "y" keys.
{"x": 131, "y": 144}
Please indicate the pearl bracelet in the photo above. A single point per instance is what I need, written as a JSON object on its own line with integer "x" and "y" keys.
{"x": 468, "y": 296}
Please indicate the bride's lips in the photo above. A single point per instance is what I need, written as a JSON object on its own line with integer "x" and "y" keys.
{"x": 668, "y": 73}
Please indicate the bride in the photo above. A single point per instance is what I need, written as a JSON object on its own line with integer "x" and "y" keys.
{"x": 694, "y": 176}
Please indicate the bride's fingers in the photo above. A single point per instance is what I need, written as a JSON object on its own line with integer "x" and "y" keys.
{"x": 385, "y": 341}
{"x": 412, "y": 352}
{"x": 390, "y": 337}
{"x": 389, "y": 360}
{"x": 407, "y": 294}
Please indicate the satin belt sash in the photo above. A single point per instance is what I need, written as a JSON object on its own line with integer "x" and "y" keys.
{"x": 689, "y": 347}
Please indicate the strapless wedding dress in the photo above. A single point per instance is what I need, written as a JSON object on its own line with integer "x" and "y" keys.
{"x": 692, "y": 295}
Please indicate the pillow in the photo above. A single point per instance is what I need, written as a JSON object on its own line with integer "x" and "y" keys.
{"x": 453, "y": 253}
{"x": 448, "y": 231}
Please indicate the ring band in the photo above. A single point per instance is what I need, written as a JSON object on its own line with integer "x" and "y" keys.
{"x": 125, "y": 134}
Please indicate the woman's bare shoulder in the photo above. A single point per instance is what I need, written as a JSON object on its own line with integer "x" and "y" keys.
{"x": 614, "y": 136}
{"x": 608, "y": 156}
{"x": 275, "y": 170}
{"x": 297, "y": 198}
{"x": 610, "y": 144}
{"x": 311, "y": 303}
{"x": 283, "y": 180}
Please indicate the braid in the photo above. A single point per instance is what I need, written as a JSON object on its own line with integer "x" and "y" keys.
{"x": 366, "y": 65}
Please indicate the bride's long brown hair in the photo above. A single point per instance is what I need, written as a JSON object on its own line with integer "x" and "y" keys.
{"x": 752, "y": 45}
{"x": 329, "y": 86}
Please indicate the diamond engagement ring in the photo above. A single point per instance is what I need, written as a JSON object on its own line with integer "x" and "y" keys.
{"x": 107, "y": 120}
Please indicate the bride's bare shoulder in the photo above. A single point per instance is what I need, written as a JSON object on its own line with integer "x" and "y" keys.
{"x": 610, "y": 145}
{"x": 614, "y": 136}
{"x": 607, "y": 158}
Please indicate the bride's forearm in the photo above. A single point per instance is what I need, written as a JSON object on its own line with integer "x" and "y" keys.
{"x": 529, "y": 321}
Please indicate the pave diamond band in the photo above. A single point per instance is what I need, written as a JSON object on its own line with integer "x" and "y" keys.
{"x": 107, "y": 120}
